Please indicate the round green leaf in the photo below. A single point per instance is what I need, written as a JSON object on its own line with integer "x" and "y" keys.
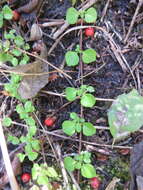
{"x": 89, "y": 56}
{"x": 7, "y": 121}
{"x": 91, "y": 15}
{"x": 72, "y": 15}
{"x": 68, "y": 127}
{"x": 88, "y": 171}
{"x": 88, "y": 129}
{"x": 88, "y": 100}
{"x": 69, "y": 163}
{"x": 32, "y": 155}
{"x": 72, "y": 58}
{"x": 7, "y": 12}
{"x": 70, "y": 93}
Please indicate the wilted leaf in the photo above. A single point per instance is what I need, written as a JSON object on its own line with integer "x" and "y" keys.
{"x": 30, "y": 85}
{"x": 35, "y": 33}
{"x": 126, "y": 114}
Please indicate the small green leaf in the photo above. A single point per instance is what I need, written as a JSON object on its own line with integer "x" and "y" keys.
{"x": 88, "y": 100}
{"x": 32, "y": 130}
{"x": 7, "y": 12}
{"x": 42, "y": 180}
{"x": 19, "y": 108}
{"x": 78, "y": 165}
{"x": 32, "y": 155}
{"x": 89, "y": 56}
{"x": 13, "y": 139}
{"x": 14, "y": 61}
{"x": 29, "y": 107}
{"x": 74, "y": 116}
{"x": 88, "y": 129}
{"x": 51, "y": 172}
{"x": 21, "y": 157}
{"x": 35, "y": 144}
{"x": 70, "y": 93}
{"x": 69, "y": 163}
{"x": 30, "y": 121}
{"x": 15, "y": 78}
{"x": 16, "y": 52}
{"x": 1, "y": 20}
{"x": 86, "y": 157}
{"x": 5, "y": 57}
{"x": 19, "y": 41}
{"x": 78, "y": 127}
{"x": 88, "y": 171}
{"x": 68, "y": 127}
{"x": 7, "y": 121}
{"x": 72, "y": 15}
{"x": 91, "y": 15}
{"x": 72, "y": 58}
{"x": 90, "y": 89}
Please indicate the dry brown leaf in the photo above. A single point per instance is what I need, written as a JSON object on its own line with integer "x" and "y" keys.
{"x": 31, "y": 84}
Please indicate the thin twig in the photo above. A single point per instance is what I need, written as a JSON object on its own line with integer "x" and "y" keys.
{"x": 8, "y": 166}
{"x": 133, "y": 20}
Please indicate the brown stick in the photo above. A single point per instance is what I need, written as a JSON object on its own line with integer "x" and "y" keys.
{"x": 133, "y": 20}
{"x": 8, "y": 166}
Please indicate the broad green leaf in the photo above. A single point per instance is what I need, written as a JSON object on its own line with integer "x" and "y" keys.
{"x": 126, "y": 114}
{"x": 72, "y": 58}
{"x": 89, "y": 56}
{"x": 42, "y": 180}
{"x": 88, "y": 129}
{"x": 88, "y": 171}
{"x": 7, "y": 12}
{"x": 7, "y": 121}
{"x": 68, "y": 127}
{"x": 88, "y": 100}
{"x": 70, "y": 93}
{"x": 69, "y": 163}
{"x": 91, "y": 15}
{"x": 72, "y": 15}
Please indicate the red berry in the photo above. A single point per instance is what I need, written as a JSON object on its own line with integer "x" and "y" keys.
{"x": 89, "y": 31}
{"x": 16, "y": 16}
{"x": 25, "y": 177}
{"x": 49, "y": 121}
{"x": 124, "y": 151}
{"x": 95, "y": 183}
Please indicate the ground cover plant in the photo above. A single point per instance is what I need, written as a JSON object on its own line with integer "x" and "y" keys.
{"x": 70, "y": 94}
